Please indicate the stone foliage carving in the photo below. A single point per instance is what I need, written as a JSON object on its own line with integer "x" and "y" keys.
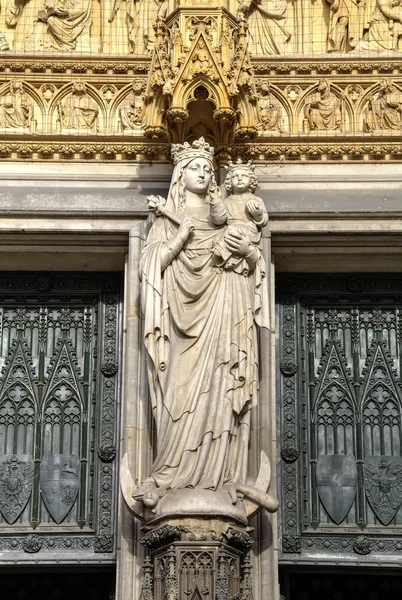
{"x": 107, "y": 453}
{"x": 161, "y": 535}
{"x": 289, "y": 453}
{"x": 362, "y": 545}
{"x": 202, "y": 412}
{"x": 109, "y": 368}
{"x": 32, "y": 543}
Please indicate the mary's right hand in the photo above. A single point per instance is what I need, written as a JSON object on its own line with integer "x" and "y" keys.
{"x": 185, "y": 229}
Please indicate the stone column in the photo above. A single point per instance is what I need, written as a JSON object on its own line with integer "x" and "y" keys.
{"x": 265, "y": 547}
{"x": 136, "y": 428}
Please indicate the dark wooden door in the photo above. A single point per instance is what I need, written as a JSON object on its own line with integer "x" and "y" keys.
{"x": 59, "y": 405}
{"x": 339, "y": 415}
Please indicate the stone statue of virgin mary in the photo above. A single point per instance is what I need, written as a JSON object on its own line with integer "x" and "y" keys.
{"x": 200, "y": 332}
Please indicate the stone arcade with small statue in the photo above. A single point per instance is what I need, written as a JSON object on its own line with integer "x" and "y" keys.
{"x": 201, "y": 299}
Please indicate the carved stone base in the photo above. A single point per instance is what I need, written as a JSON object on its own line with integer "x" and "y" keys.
{"x": 198, "y": 560}
{"x": 198, "y": 503}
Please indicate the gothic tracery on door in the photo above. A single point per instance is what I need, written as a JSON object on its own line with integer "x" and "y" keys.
{"x": 340, "y": 406}
{"x": 59, "y": 355}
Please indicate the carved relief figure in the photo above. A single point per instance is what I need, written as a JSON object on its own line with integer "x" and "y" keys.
{"x": 323, "y": 111}
{"x": 266, "y": 21}
{"x": 347, "y": 23}
{"x": 3, "y": 42}
{"x": 385, "y": 27}
{"x": 176, "y": 39}
{"x": 16, "y": 107}
{"x": 140, "y": 16}
{"x": 385, "y": 111}
{"x": 78, "y": 110}
{"x": 57, "y": 25}
{"x": 23, "y": 25}
{"x": 242, "y": 212}
{"x": 200, "y": 328}
{"x": 245, "y": 79}
{"x": 270, "y": 111}
{"x": 201, "y": 64}
{"x": 131, "y": 111}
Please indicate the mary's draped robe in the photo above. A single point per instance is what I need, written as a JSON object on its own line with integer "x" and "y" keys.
{"x": 201, "y": 338}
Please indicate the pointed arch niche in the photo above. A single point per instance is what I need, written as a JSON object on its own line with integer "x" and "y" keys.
{"x": 200, "y": 122}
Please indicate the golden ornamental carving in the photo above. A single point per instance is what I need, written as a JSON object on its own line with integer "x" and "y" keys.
{"x": 131, "y": 110}
{"x": 268, "y": 32}
{"x": 277, "y": 29}
{"x": 384, "y": 109}
{"x": 202, "y": 71}
{"x": 200, "y": 65}
{"x": 16, "y": 108}
{"x": 324, "y": 111}
{"x": 270, "y": 110}
{"x": 78, "y": 111}
{"x": 159, "y": 152}
{"x": 54, "y": 26}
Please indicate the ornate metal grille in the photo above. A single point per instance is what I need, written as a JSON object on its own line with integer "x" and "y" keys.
{"x": 340, "y": 406}
{"x": 59, "y": 347}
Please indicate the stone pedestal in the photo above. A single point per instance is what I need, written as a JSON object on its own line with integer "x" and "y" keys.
{"x": 197, "y": 560}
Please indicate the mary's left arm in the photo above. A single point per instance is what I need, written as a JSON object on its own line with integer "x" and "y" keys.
{"x": 240, "y": 243}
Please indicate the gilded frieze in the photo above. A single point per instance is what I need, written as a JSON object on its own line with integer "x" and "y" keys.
{"x": 266, "y": 80}
{"x": 276, "y": 27}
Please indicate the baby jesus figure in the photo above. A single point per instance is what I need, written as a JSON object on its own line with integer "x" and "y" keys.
{"x": 242, "y": 211}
